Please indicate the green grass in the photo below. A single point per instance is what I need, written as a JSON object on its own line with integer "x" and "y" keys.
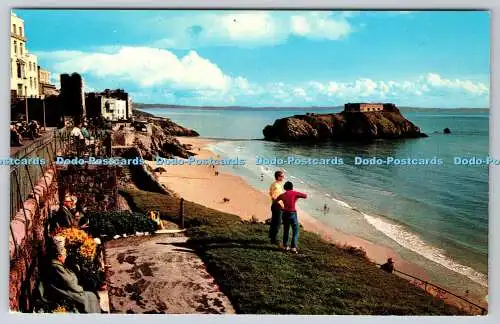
{"x": 258, "y": 278}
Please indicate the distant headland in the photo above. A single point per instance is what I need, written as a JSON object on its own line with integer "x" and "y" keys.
{"x": 315, "y": 108}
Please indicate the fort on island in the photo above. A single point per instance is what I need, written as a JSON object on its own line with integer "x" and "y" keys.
{"x": 367, "y": 107}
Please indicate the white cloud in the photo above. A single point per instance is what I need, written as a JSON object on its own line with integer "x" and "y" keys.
{"x": 435, "y": 80}
{"x": 146, "y": 67}
{"x": 300, "y": 25}
{"x": 429, "y": 85}
{"x": 332, "y": 88}
{"x": 159, "y": 75}
{"x": 299, "y": 92}
{"x": 249, "y": 29}
{"x": 246, "y": 26}
{"x": 320, "y": 25}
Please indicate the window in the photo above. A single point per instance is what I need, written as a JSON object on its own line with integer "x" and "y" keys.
{"x": 31, "y": 81}
{"x": 20, "y": 30}
{"x": 15, "y": 47}
{"x": 21, "y": 48}
{"x": 19, "y": 70}
{"x": 14, "y": 28}
{"x": 19, "y": 89}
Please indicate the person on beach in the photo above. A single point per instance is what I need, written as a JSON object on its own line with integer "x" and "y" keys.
{"x": 275, "y": 190}
{"x": 388, "y": 266}
{"x": 289, "y": 215}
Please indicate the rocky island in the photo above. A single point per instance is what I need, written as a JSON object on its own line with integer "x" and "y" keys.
{"x": 358, "y": 121}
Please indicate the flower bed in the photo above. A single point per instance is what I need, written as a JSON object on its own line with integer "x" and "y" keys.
{"x": 82, "y": 258}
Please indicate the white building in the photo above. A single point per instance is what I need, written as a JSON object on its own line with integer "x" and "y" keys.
{"x": 45, "y": 88}
{"x": 23, "y": 66}
{"x": 113, "y": 109}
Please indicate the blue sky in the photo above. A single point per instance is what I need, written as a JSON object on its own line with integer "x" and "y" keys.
{"x": 271, "y": 58}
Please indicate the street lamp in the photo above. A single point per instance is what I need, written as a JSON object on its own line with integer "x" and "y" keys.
{"x": 26, "y": 106}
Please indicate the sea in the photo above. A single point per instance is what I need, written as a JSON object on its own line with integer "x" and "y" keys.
{"x": 434, "y": 215}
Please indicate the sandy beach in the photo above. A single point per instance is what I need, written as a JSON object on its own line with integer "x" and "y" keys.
{"x": 198, "y": 183}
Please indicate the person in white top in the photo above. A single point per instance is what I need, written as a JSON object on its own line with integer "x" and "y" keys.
{"x": 77, "y": 132}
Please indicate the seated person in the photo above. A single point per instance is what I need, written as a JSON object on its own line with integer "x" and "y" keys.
{"x": 388, "y": 266}
{"x": 33, "y": 129}
{"x": 15, "y": 137}
{"x": 61, "y": 284}
{"x": 65, "y": 217}
{"x": 80, "y": 216}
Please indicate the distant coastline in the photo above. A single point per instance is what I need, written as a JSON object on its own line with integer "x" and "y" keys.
{"x": 243, "y": 108}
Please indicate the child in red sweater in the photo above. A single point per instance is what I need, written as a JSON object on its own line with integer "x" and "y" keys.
{"x": 289, "y": 215}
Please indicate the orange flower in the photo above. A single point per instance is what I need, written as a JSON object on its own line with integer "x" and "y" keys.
{"x": 78, "y": 242}
{"x": 59, "y": 309}
{"x": 88, "y": 249}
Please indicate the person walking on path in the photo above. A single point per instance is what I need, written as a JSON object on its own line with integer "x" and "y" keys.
{"x": 275, "y": 190}
{"x": 289, "y": 198}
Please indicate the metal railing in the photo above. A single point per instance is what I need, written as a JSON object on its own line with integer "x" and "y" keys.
{"x": 99, "y": 144}
{"x": 24, "y": 175}
{"x": 443, "y": 294}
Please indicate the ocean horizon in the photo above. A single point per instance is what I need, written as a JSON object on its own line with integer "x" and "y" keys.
{"x": 435, "y": 216}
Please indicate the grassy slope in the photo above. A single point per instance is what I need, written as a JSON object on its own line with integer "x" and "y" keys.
{"x": 258, "y": 278}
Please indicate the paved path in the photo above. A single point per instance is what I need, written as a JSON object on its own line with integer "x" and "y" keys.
{"x": 158, "y": 274}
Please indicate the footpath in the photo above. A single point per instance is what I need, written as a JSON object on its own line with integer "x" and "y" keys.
{"x": 159, "y": 275}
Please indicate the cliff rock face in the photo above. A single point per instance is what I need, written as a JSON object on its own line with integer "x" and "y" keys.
{"x": 171, "y": 128}
{"x": 342, "y": 126}
{"x": 161, "y": 144}
{"x": 168, "y": 126}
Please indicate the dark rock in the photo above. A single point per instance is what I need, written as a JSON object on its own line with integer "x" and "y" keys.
{"x": 160, "y": 144}
{"x": 342, "y": 126}
{"x": 447, "y": 130}
{"x": 171, "y": 128}
{"x": 168, "y": 126}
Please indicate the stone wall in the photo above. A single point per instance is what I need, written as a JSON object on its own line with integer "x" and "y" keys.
{"x": 27, "y": 241}
{"x": 143, "y": 178}
{"x": 95, "y": 186}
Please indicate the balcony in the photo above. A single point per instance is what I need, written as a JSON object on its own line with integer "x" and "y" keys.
{"x": 17, "y": 36}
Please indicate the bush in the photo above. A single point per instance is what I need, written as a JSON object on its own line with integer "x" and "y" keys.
{"x": 119, "y": 223}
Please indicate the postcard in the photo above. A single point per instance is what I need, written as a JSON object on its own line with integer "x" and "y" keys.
{"x": 249, "y": 161}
